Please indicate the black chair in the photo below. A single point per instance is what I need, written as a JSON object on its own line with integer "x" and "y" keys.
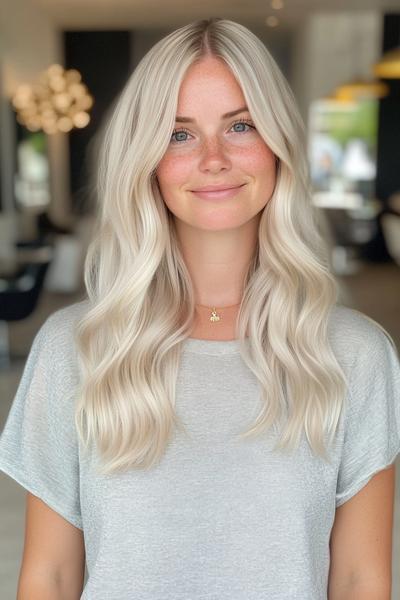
{"x": 18, "y": 299}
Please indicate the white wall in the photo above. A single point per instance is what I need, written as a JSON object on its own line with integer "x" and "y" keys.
{"x": 331, "y": 48}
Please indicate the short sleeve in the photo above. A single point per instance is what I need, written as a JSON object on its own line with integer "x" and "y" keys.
{"x": 372, "y": 423}
{"x": 38, "y": 445}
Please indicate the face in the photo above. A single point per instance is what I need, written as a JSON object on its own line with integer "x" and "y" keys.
{"x": 211, "y": 148}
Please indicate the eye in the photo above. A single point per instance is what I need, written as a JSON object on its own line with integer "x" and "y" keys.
{"x": 179, "y": 132}
{"x": 244, "y": 122}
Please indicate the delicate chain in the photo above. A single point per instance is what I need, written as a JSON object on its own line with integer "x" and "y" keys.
{"x": 222, "y": 307}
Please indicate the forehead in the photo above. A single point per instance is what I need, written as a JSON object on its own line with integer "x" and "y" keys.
{"x": 209, "y": 82}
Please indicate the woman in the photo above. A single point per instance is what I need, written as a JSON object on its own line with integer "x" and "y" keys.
{"x": 209, "y": 423}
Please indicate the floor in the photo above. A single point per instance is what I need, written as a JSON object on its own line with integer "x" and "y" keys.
{"x": 374, "y": 290}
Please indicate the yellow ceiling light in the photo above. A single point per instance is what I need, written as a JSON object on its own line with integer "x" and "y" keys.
{"x": 389, "y": 65}
{"x": 343, "y": 101}
{"x": 359, "y": 89}
{"x": 58, "y": 101}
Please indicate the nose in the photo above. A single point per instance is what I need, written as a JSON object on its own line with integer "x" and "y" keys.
{"x": 214, "y": 156}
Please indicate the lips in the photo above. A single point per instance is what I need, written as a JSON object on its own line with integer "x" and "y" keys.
{"x": 218, "y": 188}
{"x": 216, "y": 193}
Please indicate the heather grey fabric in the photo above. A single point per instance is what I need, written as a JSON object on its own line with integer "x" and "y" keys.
{"x": 218, "y": 519}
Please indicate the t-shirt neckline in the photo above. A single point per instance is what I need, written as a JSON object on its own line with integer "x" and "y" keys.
{"x": 201, "y": 346}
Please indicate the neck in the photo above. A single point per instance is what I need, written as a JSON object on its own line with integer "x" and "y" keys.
{"x": 218, "y": 261}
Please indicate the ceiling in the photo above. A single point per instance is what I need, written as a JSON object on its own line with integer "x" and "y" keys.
{"x": 164, "y": 14}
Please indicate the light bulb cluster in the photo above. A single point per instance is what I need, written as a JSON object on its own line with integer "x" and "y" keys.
{"x": 58, "y": 101}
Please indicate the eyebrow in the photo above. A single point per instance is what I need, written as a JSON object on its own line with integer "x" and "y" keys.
{"x": 225, "y": 116}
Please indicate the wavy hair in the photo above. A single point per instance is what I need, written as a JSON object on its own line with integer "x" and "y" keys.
{"x": 141, "y": 299}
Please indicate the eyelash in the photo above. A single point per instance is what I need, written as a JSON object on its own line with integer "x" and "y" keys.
{"x": 246, "y": 121}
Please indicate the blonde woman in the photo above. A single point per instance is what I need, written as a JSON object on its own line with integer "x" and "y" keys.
{"x": 209, "y": 423}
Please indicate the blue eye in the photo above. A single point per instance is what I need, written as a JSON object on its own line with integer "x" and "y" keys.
{"x": 243, "y": 122}
{"x": 178, "y": 132}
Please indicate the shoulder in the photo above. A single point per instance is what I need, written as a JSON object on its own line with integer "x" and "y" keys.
{"x": 55, "y": 337}
{"x": 357, "y": 338}
{"x": 61, "y": 323}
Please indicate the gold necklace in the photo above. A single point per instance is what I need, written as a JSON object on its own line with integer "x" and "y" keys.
{"x": 215, "y": 317}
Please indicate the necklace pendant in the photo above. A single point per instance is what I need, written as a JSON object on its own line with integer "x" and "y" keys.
{"x": 214, "y": 316}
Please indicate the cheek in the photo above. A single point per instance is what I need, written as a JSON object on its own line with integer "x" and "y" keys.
{"x": 260, "y": 160}
{"x": 173, "y": 171}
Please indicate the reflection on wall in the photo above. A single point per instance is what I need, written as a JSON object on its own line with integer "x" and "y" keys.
{"x": 343, "y": 145}
{"x": 342, "y": 158}
{"x": 32, "y": 180}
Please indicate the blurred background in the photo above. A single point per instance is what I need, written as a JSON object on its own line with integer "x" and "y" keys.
{"x": 62, "y": 64}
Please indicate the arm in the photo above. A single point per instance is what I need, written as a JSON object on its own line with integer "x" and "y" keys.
{"x": 53, "y": 562}
{"x": 361, "y": 542}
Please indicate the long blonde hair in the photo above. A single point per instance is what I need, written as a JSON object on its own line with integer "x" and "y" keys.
{"x": 141, "y": 300}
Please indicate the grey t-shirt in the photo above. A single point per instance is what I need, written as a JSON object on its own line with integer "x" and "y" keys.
{"x": 218, "y": 519}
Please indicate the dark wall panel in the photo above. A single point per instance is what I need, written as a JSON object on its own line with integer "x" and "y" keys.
{"x": 104, "y": 60}
{"x": 388, "y": 159}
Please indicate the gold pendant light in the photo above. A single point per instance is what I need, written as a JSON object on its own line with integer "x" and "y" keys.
{"x": 389, "y": 65}
{"x": 57, "y": 101}
{"x": 360, "y": 89}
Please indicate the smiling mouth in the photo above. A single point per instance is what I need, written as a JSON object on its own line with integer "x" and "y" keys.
{"x": 218, "y": 189}
{"x": 220, "y": 194}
